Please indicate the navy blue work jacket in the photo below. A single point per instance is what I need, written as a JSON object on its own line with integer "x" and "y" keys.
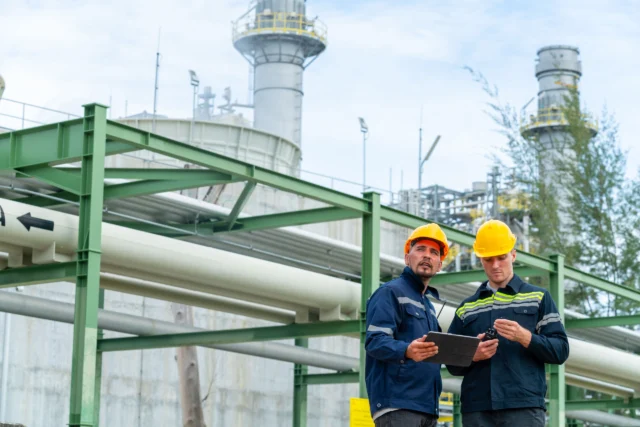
{"x": 398, "y": 313}
{"x": 514, "y": 377}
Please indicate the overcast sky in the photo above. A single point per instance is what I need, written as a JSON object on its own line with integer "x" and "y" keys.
{"x": 385, "y": 60}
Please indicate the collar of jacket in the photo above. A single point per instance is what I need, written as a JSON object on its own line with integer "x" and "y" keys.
{"x": 514, "y": 284}
{"x": 417, "y": 284}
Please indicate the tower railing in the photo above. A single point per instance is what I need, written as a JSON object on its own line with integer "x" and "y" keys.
{"x": 553, "y": 116}
{"x": 279, "y": 23}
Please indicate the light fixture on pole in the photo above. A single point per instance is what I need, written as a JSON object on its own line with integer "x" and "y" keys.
{"x": 195, "y": 82}
{"x": 365, "y": 134}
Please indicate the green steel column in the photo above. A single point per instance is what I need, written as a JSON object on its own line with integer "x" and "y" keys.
{"x": 557, "y": 387}
{"x": 574, "y": 394}
{"x": 98, "y": 387}
{"x": 85, "y": 332}
{"x": 370, "y": 271}
{"x": 300, "y": 389}
{"x": 457, "y": 415}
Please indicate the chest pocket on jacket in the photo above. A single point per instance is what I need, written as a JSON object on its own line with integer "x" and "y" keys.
{"x": 415, "y": 320}
{"x": 469, "y": 325}
{"x": 526, "y": 316}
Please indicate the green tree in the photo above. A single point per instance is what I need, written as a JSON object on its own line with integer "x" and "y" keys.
{"x": 603, "y": 206}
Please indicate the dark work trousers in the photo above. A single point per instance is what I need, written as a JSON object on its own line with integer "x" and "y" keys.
{"x": 405, "y": 418}
{"x": 521, "y": 417}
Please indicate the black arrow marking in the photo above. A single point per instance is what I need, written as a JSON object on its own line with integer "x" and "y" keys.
{"x": 28, "y": 221}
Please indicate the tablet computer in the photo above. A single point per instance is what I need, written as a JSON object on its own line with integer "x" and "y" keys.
{"x": 454, "y": 350}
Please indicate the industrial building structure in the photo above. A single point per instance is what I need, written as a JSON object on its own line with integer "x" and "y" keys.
{"x": 264, "y": 256}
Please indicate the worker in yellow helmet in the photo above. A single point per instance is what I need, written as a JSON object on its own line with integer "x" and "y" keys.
{"x": 505, "y": 385}
{"x": 402, "y": 391}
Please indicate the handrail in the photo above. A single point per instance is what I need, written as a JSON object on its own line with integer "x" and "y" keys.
{"x": 279, "y": 22}
{"x": 553, "y": 116}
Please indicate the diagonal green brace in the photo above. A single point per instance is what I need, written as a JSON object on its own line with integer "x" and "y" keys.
{"x": 268, "y": 333}
{"x": 57, "y": 177}
{"x": 240, "y": 203}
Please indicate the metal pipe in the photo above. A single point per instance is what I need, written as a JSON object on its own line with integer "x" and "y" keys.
{"x": 114, "y": 282}
{"x": 599, "y": 386}
{"x": 135, "y": 325}
{"x": 603, "y": 418}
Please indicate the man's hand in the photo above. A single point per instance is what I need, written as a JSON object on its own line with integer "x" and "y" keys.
{"x": 513, "y": 331}
{"x": 486, "y": 349}
{"x": 420, "y": 350}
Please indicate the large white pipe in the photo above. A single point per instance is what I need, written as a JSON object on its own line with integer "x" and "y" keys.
{"x": 174, "y": 262}
{"x": 181, "y": 261}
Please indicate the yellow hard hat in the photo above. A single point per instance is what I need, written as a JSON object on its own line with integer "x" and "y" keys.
{"x": 432, "y": 232}
{"x": 493, "y": 238}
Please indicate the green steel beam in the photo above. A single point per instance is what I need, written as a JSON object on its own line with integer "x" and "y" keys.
{"x": 457, "y": 413}
{"x": 54, "y": 176}
{"x": 85, "y": 327}
{"x": 240, "y": 204}
{"x": 242, "y": 170}
{"x": 602, "y": 284}
{"x": 477, "y": 276}
{"x": 370, "y": 272}
{"x": 268, "y": 333}
{"x": 98, "y": 386}
{"x": 143, "y": 188}
{"x": 35, "y": 274}
{"x": 300, "y": 392}
{"x": 557, "y": 385}
{"x": 52, "y": 144}
{"x": 289, "y": 219}
{"x": 579, "y": 405}
{"x": 603, "y": 322}
{"x": 333, "y": 378}
{"x": 160, "y": 174}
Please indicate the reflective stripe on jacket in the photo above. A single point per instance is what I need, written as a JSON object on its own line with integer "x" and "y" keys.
{"x": 398, "y": 313}
{"x": 514, "y": 377}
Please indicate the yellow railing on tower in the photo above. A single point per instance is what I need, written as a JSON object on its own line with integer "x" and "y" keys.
{"x": 279, "y": 23}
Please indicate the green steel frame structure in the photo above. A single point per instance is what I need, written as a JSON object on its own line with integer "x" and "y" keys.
{"x": 36, "y": 151}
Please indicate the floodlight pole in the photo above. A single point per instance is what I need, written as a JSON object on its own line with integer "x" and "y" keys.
{"x": 365, "y": 134}
{"x": 195, "y": 82}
